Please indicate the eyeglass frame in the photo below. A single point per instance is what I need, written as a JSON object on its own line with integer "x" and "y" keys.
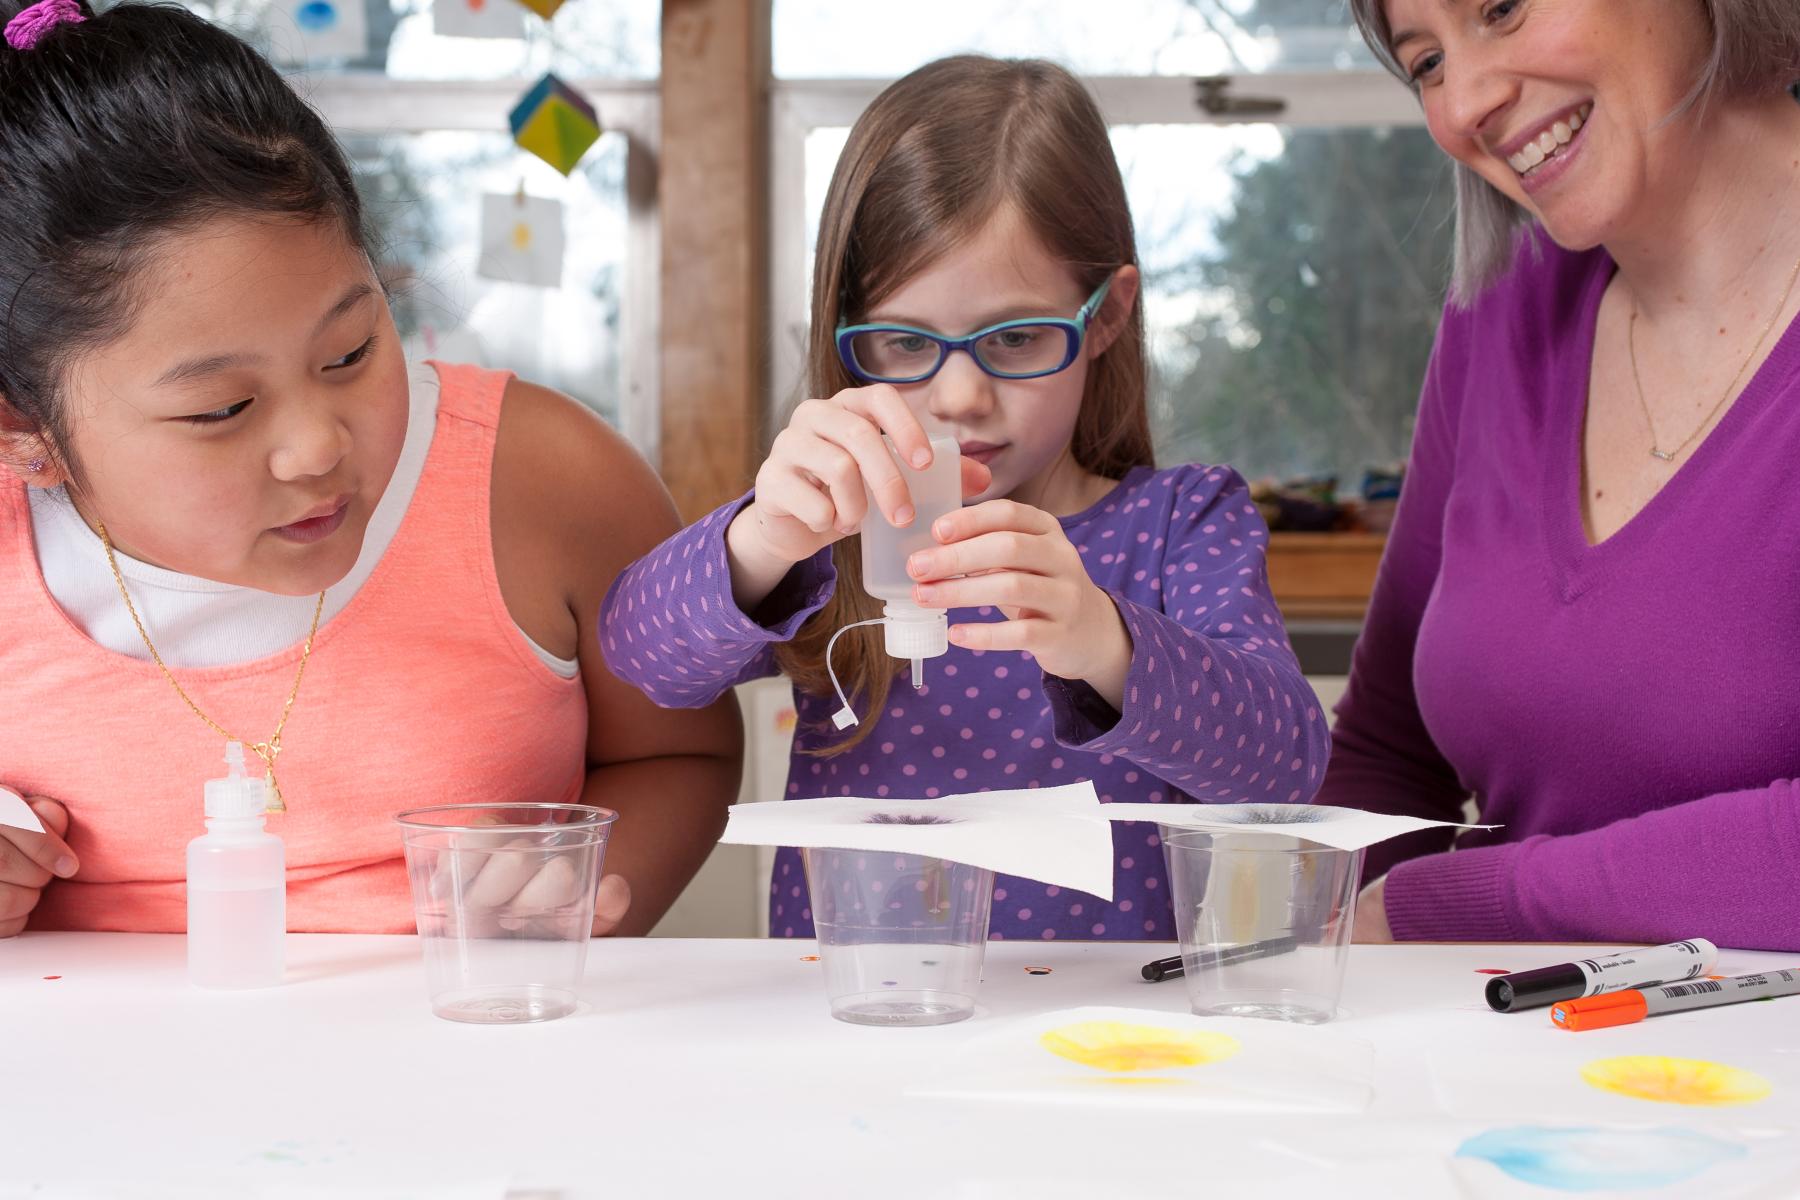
{"x": 1075, "y": 329}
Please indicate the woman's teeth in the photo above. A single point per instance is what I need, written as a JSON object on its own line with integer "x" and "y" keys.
{"x": 1550, "y": 142}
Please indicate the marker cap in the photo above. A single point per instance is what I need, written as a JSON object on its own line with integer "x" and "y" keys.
{"x": 1600, "y": 1012}
{"x": 1530, "y": 989}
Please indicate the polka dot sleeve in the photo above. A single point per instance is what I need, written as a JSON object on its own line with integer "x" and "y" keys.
{"x": 1215, "y": 703}
{"x": 670, "y": 627}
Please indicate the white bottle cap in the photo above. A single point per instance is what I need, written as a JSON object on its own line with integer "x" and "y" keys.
{"x": 915, "y": 633}
{"x": 237, "y": 795}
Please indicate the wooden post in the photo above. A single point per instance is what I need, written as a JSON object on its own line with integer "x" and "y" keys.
{"x": 713, "y": 189}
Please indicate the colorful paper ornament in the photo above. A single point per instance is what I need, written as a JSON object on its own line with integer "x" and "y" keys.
{"x": 477, "y": 19}
{"x": 543, "y": 8}
{"x": 312, "y": 32}
{"x": 555, "y": 123}
{"x": 521, "y": 239}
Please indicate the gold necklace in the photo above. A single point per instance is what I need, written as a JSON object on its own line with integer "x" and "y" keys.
{"x": 268, "y": 751}
{"x": 1631, "y": 342}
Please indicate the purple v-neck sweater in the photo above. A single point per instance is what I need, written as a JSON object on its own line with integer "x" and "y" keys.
{"x": 1215, "y": 706}
{"x": 1628, "y": 713}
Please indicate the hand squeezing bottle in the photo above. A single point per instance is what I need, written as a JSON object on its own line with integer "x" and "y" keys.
{"x": 913, "y": 633}
{"x": 236, "y": 886}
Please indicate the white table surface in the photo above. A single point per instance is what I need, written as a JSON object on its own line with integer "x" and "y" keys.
{"x": 712, "y": 1068}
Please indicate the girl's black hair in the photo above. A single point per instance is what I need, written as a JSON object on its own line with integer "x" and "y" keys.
{"x": 139, "y": 122}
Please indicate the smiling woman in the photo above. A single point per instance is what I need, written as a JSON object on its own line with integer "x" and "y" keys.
{"x": 1723, "y": 50}
{"x": 1585, "y": 616}
{"x": 222, "y": 452}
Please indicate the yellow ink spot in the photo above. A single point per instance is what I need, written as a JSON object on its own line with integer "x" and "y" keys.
{"x": 1116, "y": 1046}
{"x": 1675, "y": 1080}
{"x": 521, "y": 235}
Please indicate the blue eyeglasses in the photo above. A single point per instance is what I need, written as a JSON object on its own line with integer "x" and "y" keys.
{"x": 1027, "y": 348}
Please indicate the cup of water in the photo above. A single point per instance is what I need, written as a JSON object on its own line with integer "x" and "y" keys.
{"x": 504, "y": 896}
{"x": 1264, "y": 922}
{"x": 901, "y": 936}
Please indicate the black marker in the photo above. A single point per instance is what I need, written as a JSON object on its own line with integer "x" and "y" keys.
{"x": 1170, "y": 968}
{"x": 1596, "y": 976}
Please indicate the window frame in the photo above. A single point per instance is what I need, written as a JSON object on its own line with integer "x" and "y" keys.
{"x": 369, "y": 104}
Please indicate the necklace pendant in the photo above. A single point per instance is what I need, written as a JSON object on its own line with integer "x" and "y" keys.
{"x": 276, "y": 803}
{"x": 1664, "y": 455}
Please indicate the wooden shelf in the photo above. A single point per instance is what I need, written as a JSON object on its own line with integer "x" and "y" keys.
{"x": 1324, "y": 576}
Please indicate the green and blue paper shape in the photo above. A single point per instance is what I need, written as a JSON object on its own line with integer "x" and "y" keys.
{"x": 555, "y": 123}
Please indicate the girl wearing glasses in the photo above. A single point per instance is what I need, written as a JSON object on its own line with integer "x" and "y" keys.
{"x": 976, "y": 270}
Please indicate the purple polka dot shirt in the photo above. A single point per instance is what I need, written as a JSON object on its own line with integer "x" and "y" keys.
{"x": 1215, "y": 707}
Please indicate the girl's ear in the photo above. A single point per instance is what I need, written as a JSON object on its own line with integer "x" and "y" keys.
{"x": 1114, "y": 312}
{"x": 23, "y": 452}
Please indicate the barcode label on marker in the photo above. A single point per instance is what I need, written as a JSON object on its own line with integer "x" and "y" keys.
{"x": 1693, "y": 989}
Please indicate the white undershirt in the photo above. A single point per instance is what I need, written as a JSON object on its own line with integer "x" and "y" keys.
{"x": 199, "y": 623}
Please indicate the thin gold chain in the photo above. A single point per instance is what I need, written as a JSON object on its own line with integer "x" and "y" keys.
{"x": 1631, "y": 342}
{"x": 268, "y": 751}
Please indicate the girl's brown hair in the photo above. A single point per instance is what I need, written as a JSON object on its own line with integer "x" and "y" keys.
{"x": 926, "y": 166}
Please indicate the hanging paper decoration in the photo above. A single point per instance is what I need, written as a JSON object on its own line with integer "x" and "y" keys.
{"x": 543, "y": 8}
{"x": 311, "y": 32}
{"x": 477, "y": 19}
{"x": 521, "y": 239}
{"x": 555, "y": 123}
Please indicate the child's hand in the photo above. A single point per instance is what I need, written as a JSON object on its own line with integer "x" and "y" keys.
{"x": 810, "y": 490}
{"x": 29, "y": 861}
{"x": 1371, "y": 924}
{"x": 523, "y": 895}
{"x": 1018, "y": 559}
{"x": 611, "y": 903}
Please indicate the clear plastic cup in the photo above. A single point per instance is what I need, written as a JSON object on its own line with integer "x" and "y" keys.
{"x": 504, "y": 895}
{"x": 901, "y": 936}
{"x": 1264, "y": 922}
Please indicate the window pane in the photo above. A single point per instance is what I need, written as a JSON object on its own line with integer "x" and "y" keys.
{"x": 817, "y": 39}
{"x": 423, "y": 195}
{"x": 588, "y": 39}
{"x": 1293, "y": 280}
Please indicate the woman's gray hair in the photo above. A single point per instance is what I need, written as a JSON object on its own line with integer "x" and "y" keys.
{"x": 1755, "y": 49}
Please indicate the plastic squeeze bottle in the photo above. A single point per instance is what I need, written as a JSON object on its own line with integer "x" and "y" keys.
{"x": 912, "y": 632}
{"x": 236, "y": 886}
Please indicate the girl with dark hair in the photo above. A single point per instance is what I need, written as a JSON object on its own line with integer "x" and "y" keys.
{"x": 238, "y": 508}
{"x": 1115, "y": 620}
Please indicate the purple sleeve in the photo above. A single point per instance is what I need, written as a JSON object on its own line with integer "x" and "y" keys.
{"x": 1215, "y": 703}
{"x": 1382, "y": 757}
{"x": 670, "y": 627}
{"x": 1732, "y": 856}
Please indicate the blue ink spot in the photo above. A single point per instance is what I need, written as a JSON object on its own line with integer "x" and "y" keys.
{"x": 1598, "y": 1160}
{"x": 316, "y": 16}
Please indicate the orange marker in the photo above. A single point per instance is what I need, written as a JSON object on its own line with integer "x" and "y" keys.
{"x": 1629, "y": 1007}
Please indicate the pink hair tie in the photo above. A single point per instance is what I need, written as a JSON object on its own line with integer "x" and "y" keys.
{"x": 27, "y": 29}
